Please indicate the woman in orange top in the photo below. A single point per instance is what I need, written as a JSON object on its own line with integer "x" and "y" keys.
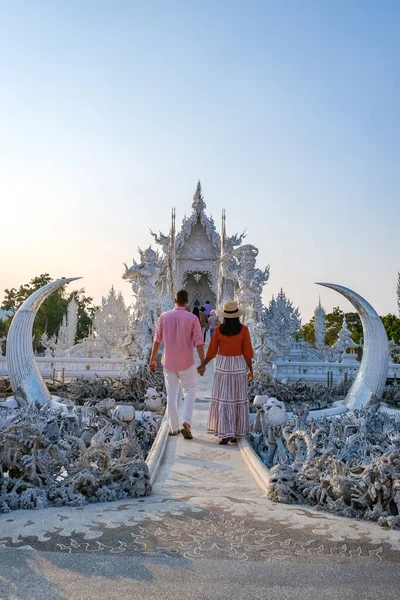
{"x": 231, "y": 345}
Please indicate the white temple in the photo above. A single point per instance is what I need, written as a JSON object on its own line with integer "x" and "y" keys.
{"x": 211, "y": 266}
{"x": 198, "y": 258}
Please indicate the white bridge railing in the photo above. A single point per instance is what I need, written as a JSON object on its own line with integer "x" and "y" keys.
{"x": 325, "y": 371}
{"x": 68, "y": 368}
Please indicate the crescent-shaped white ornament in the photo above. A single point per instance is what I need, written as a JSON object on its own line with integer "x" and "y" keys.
{"x": 26, "y": 381}
{"x": 370, "y": 381}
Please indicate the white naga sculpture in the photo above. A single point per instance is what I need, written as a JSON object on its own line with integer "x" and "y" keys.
{"x": 148, "y": 302}
{"x": 27, "y": 383}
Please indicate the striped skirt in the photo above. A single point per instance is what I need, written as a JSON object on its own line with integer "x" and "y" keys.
{"x": 229, "y": 412}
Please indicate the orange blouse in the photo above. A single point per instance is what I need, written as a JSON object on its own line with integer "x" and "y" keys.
{"x": 231, "y": 345}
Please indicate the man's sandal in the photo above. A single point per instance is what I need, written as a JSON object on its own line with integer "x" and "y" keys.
{"x": 185, "y": 431}
{"x": 177, "y": 432}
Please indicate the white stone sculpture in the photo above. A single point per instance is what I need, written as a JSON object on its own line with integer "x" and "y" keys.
{"x": 2, "y": 339}
{"x": 282, "y": 322}
{"x": 112, "y": 323}
{"x": 319, "y": 326}
{"x": 148, "y": 302}
{"x": 48, "y": 343}
{"x": 274, "y": 418}
{"x": 228, "y": 264}
{"x": 27, "y": 383}
{"x": 153, "y": 400}
{"x": 343, "y": 343}
{"x": 346, "y": 464}
{"x": 263, "y": 350}
{"x": 251, "y": 281}
{"x": 67, "y": 332}
{"x": 394, "y": 350}
{"x": 370, "y": 381}
{"x": 124, "y": 413}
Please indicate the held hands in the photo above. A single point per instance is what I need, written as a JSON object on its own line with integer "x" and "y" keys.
{"x": 201, "y": 369}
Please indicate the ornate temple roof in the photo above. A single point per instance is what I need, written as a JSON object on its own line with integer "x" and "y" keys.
{"x": 198, "y": 215}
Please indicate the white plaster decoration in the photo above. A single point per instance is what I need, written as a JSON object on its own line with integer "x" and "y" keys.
{"x": 67, "y": 332}
{"x": 251, "y": 281}
{"x": 27, "y": 383}
{"x": 370, "y": 381}
{"x": 48, "y": 343}
{"x": 148, "y": 301}
{"x": 343, "y": 343}
{"x": 319, "y": 326}
{"x": 2, "y": 339}
{"x": 153, "y": 400}
{"x": 112, "y": 323}
{"x": 282, "y": 321}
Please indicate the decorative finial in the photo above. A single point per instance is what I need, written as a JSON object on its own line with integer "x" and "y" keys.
{"x": 198, "y": 203}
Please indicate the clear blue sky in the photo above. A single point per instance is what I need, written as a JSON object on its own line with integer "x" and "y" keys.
{"x": 288, "y": 112}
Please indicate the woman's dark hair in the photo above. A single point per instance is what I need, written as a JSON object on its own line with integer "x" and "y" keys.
{"x": 231, "y": 326}
{"x": 196, "y": 311}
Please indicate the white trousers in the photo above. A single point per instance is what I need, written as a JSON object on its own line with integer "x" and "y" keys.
{"x": 173, "y": 379}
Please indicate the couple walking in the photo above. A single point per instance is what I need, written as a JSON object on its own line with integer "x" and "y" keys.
{"x": 180, "y": 331}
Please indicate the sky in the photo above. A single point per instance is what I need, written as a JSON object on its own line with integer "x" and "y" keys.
{"x": 287, "y": 111}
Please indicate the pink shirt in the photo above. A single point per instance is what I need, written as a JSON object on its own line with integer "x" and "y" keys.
{"x": 180, "y": 331}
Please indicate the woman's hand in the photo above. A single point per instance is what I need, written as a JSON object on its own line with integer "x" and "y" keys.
{"x": 249, "y": 376}
{"x": 201, "y": 369}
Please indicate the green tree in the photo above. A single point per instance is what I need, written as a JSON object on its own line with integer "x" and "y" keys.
{"x": 50, "y": 314}
{"x": 308, "y": 332}
{"x": 334, "y": 323}
{"x": 86, "y": 311}
{"x": 391, "y": 324}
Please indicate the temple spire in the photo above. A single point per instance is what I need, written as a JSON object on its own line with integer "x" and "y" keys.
{"x": 198, "y": 203}
{"x": 223, "y": 232}
{"x": 221, "y": 268}
{"x": 171, "y": 255}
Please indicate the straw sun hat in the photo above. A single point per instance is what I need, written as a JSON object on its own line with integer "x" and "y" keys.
{"x": 231, "y": 310}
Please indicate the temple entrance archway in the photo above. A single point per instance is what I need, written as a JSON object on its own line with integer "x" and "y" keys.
{"x": 199, "y": 287}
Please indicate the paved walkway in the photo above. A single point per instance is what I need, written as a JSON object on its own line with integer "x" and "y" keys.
{"x": 206, "y": 532}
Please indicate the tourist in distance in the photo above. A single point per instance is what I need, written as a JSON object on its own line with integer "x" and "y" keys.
{"x": 203, "y": 322}
{"x": 196, "y": 312}
{"x": 208, "y": 308}
{"x": 180, "y": 331}
{"x": 231, "y": 345}
{"x": 212, "y": 322}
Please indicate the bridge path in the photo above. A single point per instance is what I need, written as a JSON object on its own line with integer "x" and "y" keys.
{"x": 206, "y": 532}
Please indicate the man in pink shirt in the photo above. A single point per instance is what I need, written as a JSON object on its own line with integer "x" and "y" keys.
{"x": 180, "y": 331}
